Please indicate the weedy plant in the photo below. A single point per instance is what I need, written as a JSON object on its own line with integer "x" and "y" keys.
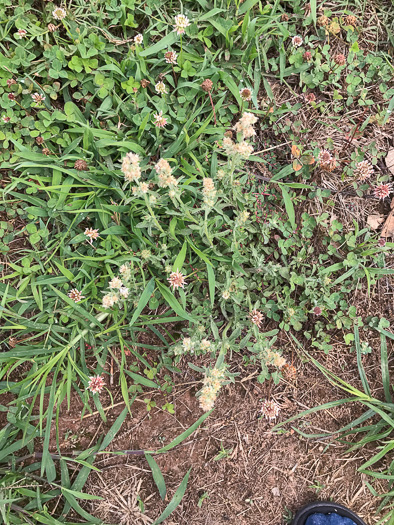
{"x": 133, "y": 137}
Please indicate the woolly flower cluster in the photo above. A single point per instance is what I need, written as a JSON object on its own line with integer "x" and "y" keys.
{"x": 190, "y": 346}
{"x": 209, "y": 192}
{"x": 165, "y": 176}
{"x": 245, "y": 127}
{"x": 213, "y": 382}
{"x": 131, "y": 167}
{"x": 119, "y": 287}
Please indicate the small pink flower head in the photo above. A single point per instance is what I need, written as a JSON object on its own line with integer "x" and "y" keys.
{"x": 324, "y": 157}
{"x": 38, "y": 98}
{"x": 382, "y": 242}
{"x": 177, "y": 280}
{"x": 363, "y": 170}
{"x": 96, "y": 384}
{"x": 317, "y": 310}
{"x": 181, "y": 23}
{"x": 5, "y": 119}
{"x": 59, "y": 13}
{"x": 138, "y": 39}
{"x": 91, "y": 234}
{"x": 296, "y": 41}
{"x": 270, "y": 409}
{"x": 75, "y": 295}
{"x": 160, "y": 121}
{"x": 382, "y": 191}
{"x": 171, "y": 57}
{"x": 256, "y": 317}
{"x": 246, "y": 94}
{"x": 160, "y": 88}
{"x": 22, "y": 33}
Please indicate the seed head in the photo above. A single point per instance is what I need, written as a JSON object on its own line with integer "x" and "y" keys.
{"x": 207, "y": 85}
{"x": 340, "y": 59}
{"x": 246, "y": 94}
{"x": 310, "y": 97}
{"x": 323, "y": 21}
{"x": 351, "y": 20}
{"x": 324, "y": 158}
{"x": 285, "y": 17}
{"x": 171, "y": 57}
{"x": 81, "y": 165}
{"x": 11, "y": 82}
{"x": 317, "y": 310}
{"x": 270, "y": 409}
{"x": 177, "y": 280}
{"x": 96, "y": 384}
{"x": 363, "y": 170}
{"x": 39, "y": 140}
{"x": 307, "y": 56}
{"x": 256, "y": 317}
{"x": 75, "y": 295}
{"x": 289, "y": 372}
{"x": 46, "y": 151}
{"x": 145, "y": 83}
{"x": 382, "y": 191}
{"x": 52, "y": 27}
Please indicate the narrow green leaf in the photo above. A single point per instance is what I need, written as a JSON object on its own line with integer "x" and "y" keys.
{"x": 143, "y": 301}
{"x": 177, "y": 267}
{"x": 288, "y": 205}
{"x": 211, "y": 283}
{"x": 171, "y": 300}
{"x": 157, "y": 476}
{"x": 164, "y": 43}
{"x": 177, "y": 498}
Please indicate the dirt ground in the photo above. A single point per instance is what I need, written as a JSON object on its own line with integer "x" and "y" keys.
{"x": 264, "y": 477}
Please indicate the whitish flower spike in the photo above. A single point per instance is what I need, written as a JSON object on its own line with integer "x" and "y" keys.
{"x": 75, "y": 295}
{"x": 270, "y": 409}
{"x": 160, "y": 88}
{"x": 296, "y": 41}
{"x": 91, "y": 234}
{"x": 160, "y": 121}
{"x": 177, "y": 280}
{"x": 138, "y": 39}
{"x": 96, "y": 384}
{"x": 124, "y": 292}
{"x": 181, "y": 23}
{"x": 59, "y": 13}
{"x": 115, "y": 283}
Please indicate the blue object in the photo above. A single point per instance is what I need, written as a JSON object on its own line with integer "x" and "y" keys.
{"x": 328, "y": 519}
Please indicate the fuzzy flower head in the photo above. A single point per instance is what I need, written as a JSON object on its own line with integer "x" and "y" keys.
{"x": 163, "y": 167}
{"x": 22, "y": 33}
{"x": 124, "y": 292}
{"x": 138, "y": 39}
{"x": 75, "y": 295}
{"x": 59, "y": 13}
{"x": 96, "y": 384}
{"x": 340, "y": 59}
{"x": 270, "y": 409}
{"x": 38, "y": 98}
{"x": 110, "y": 299}
{"x": 296, "y": 41}
{"x": 181, "y": 23}
{"x": 160, "y": 121}
{"x": 363, "y": 170}
{"x": 160, "y": 88}
{"x": 115, "y": 283}
{"x": 171, "y": 57}
{"x": 246, "y": 94}
{"x": 5, "y": 119}
{"x": 131, "y": 168}
{"x": 382, "y": 191}
{"x": 256, "y": 317}
{"x": 245, "y": 125}
{"x": 209, "y": 191}
{"x": 226, "y": 295}
{"x": 324, "y": 157}
{"x": 91, "y": 234}
{"x": 177, "y": 280}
